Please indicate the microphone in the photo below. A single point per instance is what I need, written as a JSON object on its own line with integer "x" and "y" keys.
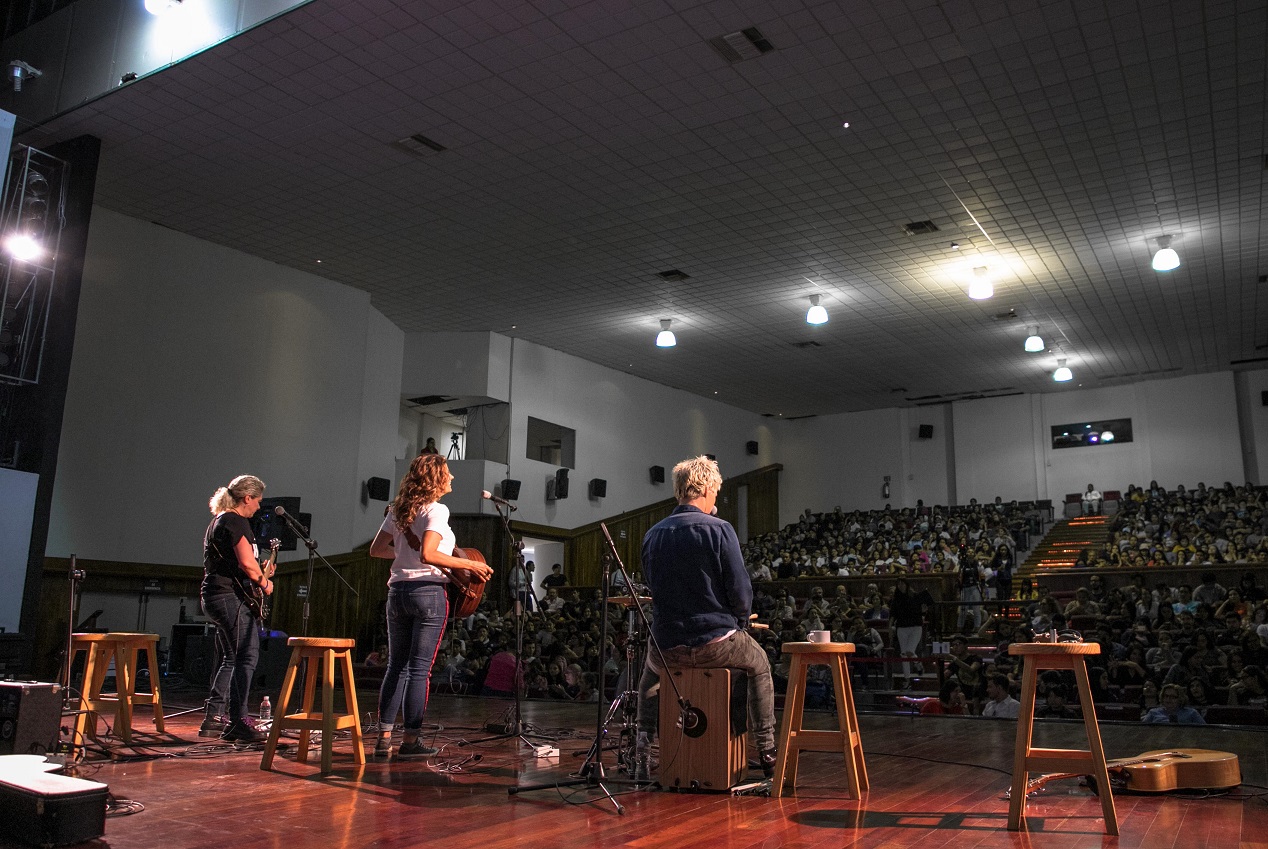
{"x": 279, "y": 510}
{"x": 501, "y": 502}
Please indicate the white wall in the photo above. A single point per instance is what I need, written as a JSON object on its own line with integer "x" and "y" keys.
{"x": 195, "y": 363}
{"x": 1253, "y": 414}
{"x": 17, "y": 495}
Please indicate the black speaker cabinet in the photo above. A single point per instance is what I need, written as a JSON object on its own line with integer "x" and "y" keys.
{"x": 377, "y": 489}
{"x": 926, "y": 432}
{"x": 751, "y": 447}
{"x": 561, "y": 483}
{"x": 510, "y": 489}
{"x": 200, "y": 659}
{"x": 657, "y": 473}
{"x": 30, "y": 713}
{"x": 275, "y": 656}
{"x": 598, "y": 488}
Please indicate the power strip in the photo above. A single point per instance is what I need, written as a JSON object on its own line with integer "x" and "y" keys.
{"x": 546, "y": 751}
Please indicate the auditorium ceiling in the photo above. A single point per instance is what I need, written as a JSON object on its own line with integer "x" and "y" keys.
{"x": 587, "y": 148}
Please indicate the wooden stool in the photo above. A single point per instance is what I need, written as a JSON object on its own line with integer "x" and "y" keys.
{"x": 709, "y": 756}
{"x": 1072, "y": 656}
{"x": 795, "y": 739}
{"x": 123, "y": 648}
{"x": 321, "y": 650}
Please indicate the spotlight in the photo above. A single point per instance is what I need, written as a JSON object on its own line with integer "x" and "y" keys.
{"x": 981, "y": 287}
{"x": 1107, "y": 436}
{"x": 816, "y": 314}
{"x": 1166, "y": 259}
{"x": 1062, "y": 374}
{"x": 666, "y": 338}
{"x": 19, "y": 71}
{"x": 23, "y": 247}
{"x": 1034, "y": 342}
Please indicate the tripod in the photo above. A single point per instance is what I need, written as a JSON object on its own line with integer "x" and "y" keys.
{"x": 515, "y": 728}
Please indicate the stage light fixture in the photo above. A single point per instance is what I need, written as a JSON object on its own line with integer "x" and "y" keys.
{"x": 23, "y": 247}
{"x": 981, "y": 287}
{"x": 1166, "y": 259}
{"x": 1107, "y": 436}
{"x": 161, "y": 7}
{"x": 816, "y": 314}
{"x": 1034, "y": 342}
{"x": 666, "y": 338}
{"x": 19, "y": 71}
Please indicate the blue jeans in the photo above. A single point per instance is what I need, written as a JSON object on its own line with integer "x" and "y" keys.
{"x": 238, "y": 647}
{"x": 416, "y": 614}
{"x": 738, "y": 651}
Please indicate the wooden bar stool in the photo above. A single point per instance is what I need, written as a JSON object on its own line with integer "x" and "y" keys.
{"x": 709, "y": 755}
{"x": 795, "y": 739}
{"x": 123, "y": 648}
{"x": 323, "y": 651}
{"x": 1072, "y": 656}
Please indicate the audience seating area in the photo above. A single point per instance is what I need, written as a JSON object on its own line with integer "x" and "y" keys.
{"x": 1131, "y": 581}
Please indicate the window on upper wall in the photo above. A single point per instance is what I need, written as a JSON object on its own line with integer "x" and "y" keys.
{"x": 551, "y": 443}
{"x": 1091, "y": 434}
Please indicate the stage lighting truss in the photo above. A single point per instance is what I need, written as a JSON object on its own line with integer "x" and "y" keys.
{"x": 34, "y": 207}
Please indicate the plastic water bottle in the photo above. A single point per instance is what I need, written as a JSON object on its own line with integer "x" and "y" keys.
{"x": 266, "y": 710}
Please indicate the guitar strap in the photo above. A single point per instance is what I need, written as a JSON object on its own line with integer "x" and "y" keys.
{"x": 417, "y": 544}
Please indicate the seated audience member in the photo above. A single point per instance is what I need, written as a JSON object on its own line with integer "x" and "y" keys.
{"x": 1056, "y": 705}
{"x": 1249, "y": 688}
{"x": 505, "y": 675}
{"x": 1091, "y": 501}
{"x": 1209, "y": 591}
{"x": 378, "y": 657}
{"x": 1172, "y": 708}
{"x": 999, "y": 704}
{"x": 950, "y": 701}
{"x": 556, "y": 578}
{"x": 1148, "y": 696}
{"x": 1200, "y": 696}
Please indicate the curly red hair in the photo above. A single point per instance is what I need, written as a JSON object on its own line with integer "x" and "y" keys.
{"x": 423, "y": 484}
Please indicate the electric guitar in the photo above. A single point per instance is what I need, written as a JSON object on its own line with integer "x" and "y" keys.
{"x": 252, "y": 594}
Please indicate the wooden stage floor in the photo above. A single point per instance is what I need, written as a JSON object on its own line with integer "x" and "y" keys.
{"x": 936, "y": 781}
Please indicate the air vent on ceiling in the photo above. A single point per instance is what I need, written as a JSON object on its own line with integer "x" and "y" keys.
{"x": 673, "y": 275}
{"x": 419, "y": 145}
{"x": 919, "y": 228}
{"x": 899, "y": 389}
{"x": 1011, "y": 315}
{"x": 458, "y": 411}
{"x": 924, "y": 397}
{"x": 430, "y": 400}
{"x": 798, "y": 418}
{"x": 740, "y": 46}
{"x": 809, "y": 343}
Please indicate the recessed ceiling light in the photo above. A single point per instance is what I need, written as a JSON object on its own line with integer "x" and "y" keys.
{"x": 846, "y": 125}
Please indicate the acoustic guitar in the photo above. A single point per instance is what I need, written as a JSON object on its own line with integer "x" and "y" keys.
{"x": 1163, "y": 771}
{"x": 466, "y": 588}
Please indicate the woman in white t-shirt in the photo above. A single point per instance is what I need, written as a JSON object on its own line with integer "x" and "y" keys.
{"x": 416, "y": 535}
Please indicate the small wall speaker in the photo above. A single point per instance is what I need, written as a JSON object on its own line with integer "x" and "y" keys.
{"x": 657, "y": 474}
{"x": 1263, "y": 398}
{"x": 751, "y": 447}
{"x": 377, "y": 489}
{"x": 598, "y": 488}
{"x": 926, "y": 431}
{"x": 510, "y": 489}
{"x": 561, "y": 483}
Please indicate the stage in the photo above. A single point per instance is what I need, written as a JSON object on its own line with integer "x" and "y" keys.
{"x": 936, "y": 781}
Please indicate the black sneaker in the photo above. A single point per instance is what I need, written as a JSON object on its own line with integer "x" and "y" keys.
{"x": 767, "y": 760}
{"x": 241, "y": 732}
{"x": 213, "y": 726}
{"x": 383, "y": 748}
{"x": 415, "y": 750}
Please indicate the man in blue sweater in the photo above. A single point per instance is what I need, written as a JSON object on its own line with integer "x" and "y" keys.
{"x": 701, "y": 598}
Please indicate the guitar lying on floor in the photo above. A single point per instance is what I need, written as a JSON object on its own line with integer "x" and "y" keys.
{"x": 1163, "y": 771}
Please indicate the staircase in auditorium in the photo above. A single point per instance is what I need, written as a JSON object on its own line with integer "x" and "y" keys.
{"x": 1061, "y": 545}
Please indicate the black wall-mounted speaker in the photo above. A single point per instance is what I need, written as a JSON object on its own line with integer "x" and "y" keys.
{"x": 657, "y": 474}
{"x": 510, "y": 489}
{"x": 1263, "y": 398}
{"x": 598, "y": 488}
{"x": 926, "y": 431}
{"x": 751, "y": 447}
{"x": 561, "y": 483}
{"x": 377, "y": 489}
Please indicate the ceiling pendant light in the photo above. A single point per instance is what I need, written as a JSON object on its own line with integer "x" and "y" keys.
{"x": 981, "y": 287}
{"x": 666, "y": 338}
{"x": 816, "y": 314}
{"x": 161, "y": 7}
{"x": 1166, "y": 259}
{"x": 1062, "y": 374}
{"x": 1034, "y": 342}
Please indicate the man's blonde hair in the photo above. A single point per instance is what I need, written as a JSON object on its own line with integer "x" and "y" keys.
{"x": 695, "y": 478}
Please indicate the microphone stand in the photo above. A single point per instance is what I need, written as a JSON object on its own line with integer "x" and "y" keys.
{"x": 514, "y": 728}
{"x": 302, "y": 533}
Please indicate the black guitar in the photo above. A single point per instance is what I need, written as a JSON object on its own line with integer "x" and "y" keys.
{"x": 252, "y": 594}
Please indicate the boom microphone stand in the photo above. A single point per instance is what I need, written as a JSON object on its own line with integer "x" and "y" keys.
{"x": 515, "y": 728}
{"x": 302, "y": 533}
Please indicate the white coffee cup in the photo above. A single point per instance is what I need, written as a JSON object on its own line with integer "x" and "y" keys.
{"x": 819, "y": 636}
